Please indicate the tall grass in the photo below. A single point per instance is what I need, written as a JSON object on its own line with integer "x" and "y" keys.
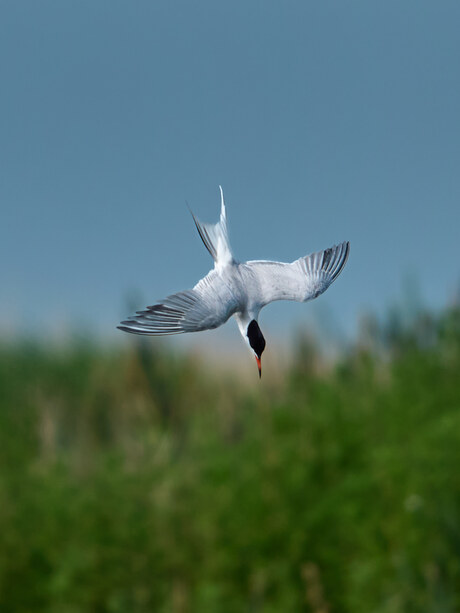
{"x": 132, "y": 482}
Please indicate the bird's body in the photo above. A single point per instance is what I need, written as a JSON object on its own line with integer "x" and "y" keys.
{"x": 240, "y": 289}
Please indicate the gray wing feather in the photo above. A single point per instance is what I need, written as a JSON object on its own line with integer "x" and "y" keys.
{"x": 323, "y": 268}
{"x": 208, "y": 305}
{"x": 302, "y": 280}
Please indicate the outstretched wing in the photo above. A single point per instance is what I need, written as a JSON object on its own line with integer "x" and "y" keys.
{"x": 302, "y": 280}
{"x": 208, "y": 305}
{"x": 215, "y": 236}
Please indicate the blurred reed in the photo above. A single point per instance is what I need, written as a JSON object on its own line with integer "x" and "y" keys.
{"x": 135, "y": 480}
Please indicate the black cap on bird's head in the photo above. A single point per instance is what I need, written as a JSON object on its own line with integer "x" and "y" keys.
{"x": 257, "y": 342}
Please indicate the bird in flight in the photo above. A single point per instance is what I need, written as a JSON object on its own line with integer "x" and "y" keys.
{"x": 240, "y": 289}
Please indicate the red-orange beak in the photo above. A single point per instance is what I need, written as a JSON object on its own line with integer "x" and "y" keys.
{"x": 259, "y": 366}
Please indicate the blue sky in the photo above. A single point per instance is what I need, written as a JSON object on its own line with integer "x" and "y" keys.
{"x": 323, "y": 121}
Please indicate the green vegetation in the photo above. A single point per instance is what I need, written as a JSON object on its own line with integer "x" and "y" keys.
{"x": 131, "y": 482}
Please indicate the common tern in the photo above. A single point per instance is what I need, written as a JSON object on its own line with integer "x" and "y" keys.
{"x": 240, "y": 289}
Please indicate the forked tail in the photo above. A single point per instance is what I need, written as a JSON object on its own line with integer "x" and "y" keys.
{"x": 215, "y": 237}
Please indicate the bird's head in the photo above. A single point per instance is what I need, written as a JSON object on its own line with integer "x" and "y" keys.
{"x": 256, "y": 342}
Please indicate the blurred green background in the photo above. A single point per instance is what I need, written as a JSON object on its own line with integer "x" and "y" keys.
{"x": 139, "y": 480}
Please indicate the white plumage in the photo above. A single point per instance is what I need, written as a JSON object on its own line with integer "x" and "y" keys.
{"x": 237, "y": 288}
